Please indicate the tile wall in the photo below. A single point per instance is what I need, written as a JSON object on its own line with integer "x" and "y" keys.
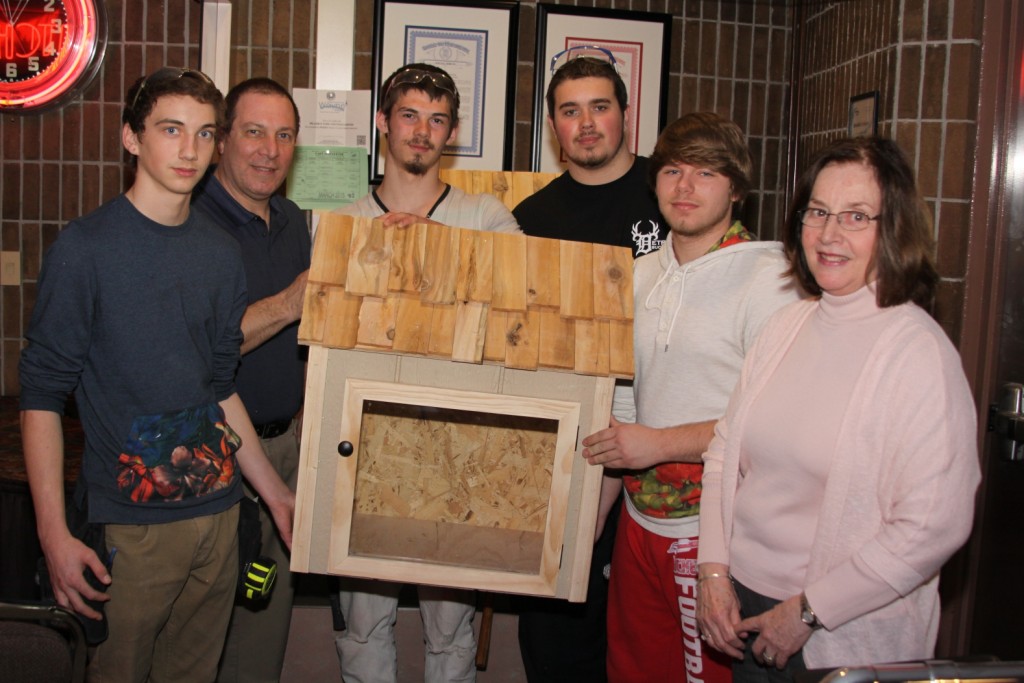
{"x": 923, "y": 57}
{"x": 62, "y": 164}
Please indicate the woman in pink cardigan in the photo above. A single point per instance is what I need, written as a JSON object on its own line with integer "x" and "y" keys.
{"x": 844, "y": 471}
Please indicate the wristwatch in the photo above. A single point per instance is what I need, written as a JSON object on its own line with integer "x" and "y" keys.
{"x": 807, "y": 615}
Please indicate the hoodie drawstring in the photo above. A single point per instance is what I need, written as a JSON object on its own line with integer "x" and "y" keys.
{"x": 679, "y": 300}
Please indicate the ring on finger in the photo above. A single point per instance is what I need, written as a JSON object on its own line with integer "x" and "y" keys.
{"x": 768, "y": 659}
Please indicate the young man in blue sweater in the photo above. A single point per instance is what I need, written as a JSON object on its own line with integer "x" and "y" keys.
{"x": 138, "y": 313}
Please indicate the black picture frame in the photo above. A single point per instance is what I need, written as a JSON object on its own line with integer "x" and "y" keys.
{"x": 863, "y": 116}
{"x": 641, "y": 42}
{"x": 457, "y": 28}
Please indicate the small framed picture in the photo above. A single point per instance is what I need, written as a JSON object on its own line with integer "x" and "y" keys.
{"x": 863, "y": 115}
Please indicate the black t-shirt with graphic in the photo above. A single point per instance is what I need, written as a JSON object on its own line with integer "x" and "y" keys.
{"x": 623, "y": 212}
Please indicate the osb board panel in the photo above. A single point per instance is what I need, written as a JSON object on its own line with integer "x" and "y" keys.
{"x": 453, "y": 545}
{"x": 399, "y": 290}
{"x": 493, "y": 409}
{"x": 595, "y": 407}
{"x": 321, "y": 468}
{"x": 454, "y": 466}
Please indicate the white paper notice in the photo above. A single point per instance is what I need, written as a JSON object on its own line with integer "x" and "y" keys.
{"x": 338, "y": 118}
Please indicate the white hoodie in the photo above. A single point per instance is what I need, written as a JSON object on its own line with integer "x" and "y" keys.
{"x": 693, "y": 324}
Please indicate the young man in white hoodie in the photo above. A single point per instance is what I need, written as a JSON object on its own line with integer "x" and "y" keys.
{"x": 700, "y": 302}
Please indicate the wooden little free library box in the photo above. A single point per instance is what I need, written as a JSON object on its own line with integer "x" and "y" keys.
{"x": 452, "y": 375}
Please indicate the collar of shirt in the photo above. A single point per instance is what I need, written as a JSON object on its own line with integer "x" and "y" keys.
{"x": 734, "y": 235}
{"x": 232, "y": 211}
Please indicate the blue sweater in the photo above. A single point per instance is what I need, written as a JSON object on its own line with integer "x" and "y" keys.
{"x": 141, "y": 321}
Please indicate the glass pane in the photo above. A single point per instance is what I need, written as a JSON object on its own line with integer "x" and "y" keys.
{"x": 451, "y": 486}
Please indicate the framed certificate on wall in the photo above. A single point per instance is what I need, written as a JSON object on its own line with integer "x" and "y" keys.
{"x": 637, "y": 43}
{"x": 475, "y": 42}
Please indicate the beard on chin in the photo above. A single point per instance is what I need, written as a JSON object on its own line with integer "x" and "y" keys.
{"x": 415, "y": 165}
{"x": 590, "y": 161}
{"x": 700, "y": 228}
{"x": 596, "y": 160}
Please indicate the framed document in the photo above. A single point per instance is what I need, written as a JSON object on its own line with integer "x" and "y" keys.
{"x": 639, "y": 43}
{"x": 475, "y": 42}
{"x": 863, "y": 115}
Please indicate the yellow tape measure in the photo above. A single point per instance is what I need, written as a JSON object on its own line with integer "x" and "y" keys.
{"x": 259, "y": 578}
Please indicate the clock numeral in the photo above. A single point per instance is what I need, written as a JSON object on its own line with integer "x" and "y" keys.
{"x": 47, "y": 49}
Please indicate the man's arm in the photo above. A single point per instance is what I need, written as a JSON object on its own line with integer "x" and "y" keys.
{"x": 497, "y": 218}
{"x": 266, "y": 317}
{"x": 636, "y": 447}
{"x": 611, "y": 485}
{"x": 66, "y": 556}
{"x": 257, "y": 469}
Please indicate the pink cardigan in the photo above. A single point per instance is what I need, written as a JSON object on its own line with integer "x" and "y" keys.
{"x": 899, "y": 497}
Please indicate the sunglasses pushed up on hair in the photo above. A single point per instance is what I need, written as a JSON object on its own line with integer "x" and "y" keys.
{"x": 580, "y": 51}
{"x": 167, "y": 74}
{"x": 416, "y": 76}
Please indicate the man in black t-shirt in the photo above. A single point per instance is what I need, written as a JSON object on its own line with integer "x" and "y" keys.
{"x": 603, "y": 197}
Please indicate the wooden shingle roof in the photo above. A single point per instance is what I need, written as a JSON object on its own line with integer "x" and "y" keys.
{"x": 470, "y": 296}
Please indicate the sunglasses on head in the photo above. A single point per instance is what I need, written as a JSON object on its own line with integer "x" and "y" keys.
{"x": 578, "y": 51}
{"x": 415, "y": 76}
{"x": 166, "y": 74}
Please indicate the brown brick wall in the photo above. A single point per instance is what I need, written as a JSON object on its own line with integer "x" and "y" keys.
{"x": 730, "y": 56}
{"x": 61, "y": 164}
{"x": 923, "y": 58}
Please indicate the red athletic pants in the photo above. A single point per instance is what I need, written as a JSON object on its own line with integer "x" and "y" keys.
{"x": 652, "y": 601}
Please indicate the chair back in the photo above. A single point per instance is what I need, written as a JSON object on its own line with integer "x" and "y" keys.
{"x": 40, "y": 644}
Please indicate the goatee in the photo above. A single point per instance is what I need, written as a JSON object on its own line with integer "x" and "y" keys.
{"x": 415, "y": 166}
{"x": 590, "y": 162}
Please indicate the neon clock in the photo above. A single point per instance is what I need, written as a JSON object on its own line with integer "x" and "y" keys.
{"x": 49, "y": 51}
